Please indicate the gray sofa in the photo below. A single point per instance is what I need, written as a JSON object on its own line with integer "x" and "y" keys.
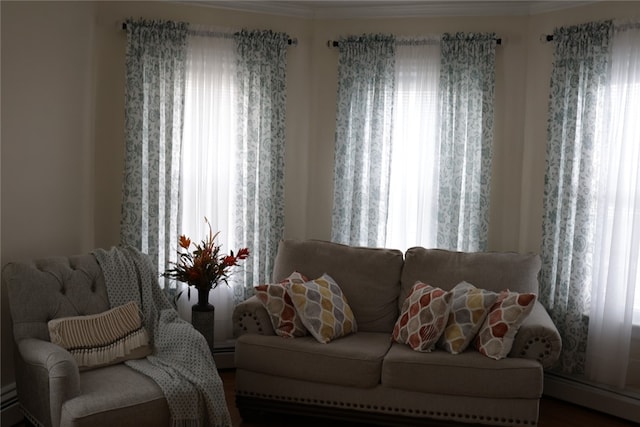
{"x": 366, "y": 376}
{"x": 51, "y": 389}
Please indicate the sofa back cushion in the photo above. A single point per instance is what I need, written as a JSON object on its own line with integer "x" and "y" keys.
{"x": 368, "y": 277}
{"x": 493, "y": 271}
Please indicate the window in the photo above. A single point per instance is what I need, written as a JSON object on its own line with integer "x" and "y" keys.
{"x": 618, "y": 230}
{"x": 414, "y": 163}
{"x": 432, "y": 105}
{"x": 208, "y": 154}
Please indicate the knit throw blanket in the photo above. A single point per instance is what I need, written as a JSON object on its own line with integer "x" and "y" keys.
{"x": 181, "y": 363}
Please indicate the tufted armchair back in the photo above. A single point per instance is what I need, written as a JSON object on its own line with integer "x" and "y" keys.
{"x": 49, "y": 288}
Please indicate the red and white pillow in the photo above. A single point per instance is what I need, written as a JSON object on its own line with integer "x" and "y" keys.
{"x": 423, "y": 317}
{"x": 497, "y": 333}
{"x": 284, "y": 317}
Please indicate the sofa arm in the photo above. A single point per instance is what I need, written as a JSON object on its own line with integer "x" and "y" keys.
{"x": 538, "y": 338}
{"x": 48, "y": 376}
{"x": 250, "y": 317}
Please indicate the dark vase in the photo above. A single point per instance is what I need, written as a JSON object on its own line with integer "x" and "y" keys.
{"x": 202, "y": 316}
{"x": 203, "y": 300}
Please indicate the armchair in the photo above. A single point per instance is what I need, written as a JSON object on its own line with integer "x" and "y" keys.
{"x": 52, "y": 390}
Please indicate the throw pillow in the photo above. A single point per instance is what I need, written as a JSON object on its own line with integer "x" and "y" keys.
{"x": 469, "y": 308}
{"x": 277, "y": 302}
{"x": 423, "y": 317}
{"x": 323, "y": 308}
{"x": 102, "y": 339}
{"x": 496, "y": 335}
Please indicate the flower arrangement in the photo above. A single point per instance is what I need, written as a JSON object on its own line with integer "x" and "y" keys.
{"x": 204, "y": 267}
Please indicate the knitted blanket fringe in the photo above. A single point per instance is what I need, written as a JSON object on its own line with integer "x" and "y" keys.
{"x": 100, "y": 338}
{"x": 181, "y": 363}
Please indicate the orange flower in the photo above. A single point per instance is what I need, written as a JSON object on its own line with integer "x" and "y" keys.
{"x": 184, "y": 241}
{"x": 243, "y": 253}
{"x": 204, "y": 267}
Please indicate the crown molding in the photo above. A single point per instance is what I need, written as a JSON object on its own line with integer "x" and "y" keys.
{"x": 391, "y": 9}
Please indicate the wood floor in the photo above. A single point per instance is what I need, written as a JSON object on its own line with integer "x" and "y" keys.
{"x": 553, "y": 413}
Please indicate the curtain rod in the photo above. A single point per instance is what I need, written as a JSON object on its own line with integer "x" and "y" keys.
{"x": 335, "y": 43}
{"x": 290, "y": 42}
{"x": 544, "y": 38}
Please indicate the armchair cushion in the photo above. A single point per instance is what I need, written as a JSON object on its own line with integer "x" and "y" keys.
{"x": 116, "y": 395}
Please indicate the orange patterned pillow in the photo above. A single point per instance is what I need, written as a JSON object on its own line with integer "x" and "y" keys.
{"x": 496, "y": 335}
{"x": 276, "y": 301}
{"x": 423, "y": 317}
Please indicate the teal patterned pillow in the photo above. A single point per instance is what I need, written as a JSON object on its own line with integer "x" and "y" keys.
{"x": 323, "y": 308}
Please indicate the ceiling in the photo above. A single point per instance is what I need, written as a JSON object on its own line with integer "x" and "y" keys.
{"x": 332, "y": 9}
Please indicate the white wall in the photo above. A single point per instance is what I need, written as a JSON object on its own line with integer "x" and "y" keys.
{"x": 47, "y": 141}
{"x": 63, "y": 120}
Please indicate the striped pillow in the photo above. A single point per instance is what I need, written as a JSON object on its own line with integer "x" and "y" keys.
{"x": 102, "y": 339}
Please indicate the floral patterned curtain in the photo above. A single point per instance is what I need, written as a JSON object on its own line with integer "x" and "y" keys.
{"x": 260, "y": 166}
{"x": 578, "y": 82}
{"x": 154, "y": 98}
{"x": 467, "y": 85}
{"x": 363, "y": 139}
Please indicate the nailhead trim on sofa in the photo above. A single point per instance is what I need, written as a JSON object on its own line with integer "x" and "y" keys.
{"x": 323, "y": 404}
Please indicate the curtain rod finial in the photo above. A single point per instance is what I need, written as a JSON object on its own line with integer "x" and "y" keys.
{"x": 545, "y": 38}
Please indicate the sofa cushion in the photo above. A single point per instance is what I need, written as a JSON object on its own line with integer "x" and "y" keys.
{"x": 282, "y": 313}
{"x": 368, "y": 277}
{"x": 497, "y": 333}
{"x": 323, "y": 309}
{"x": 492, "y": 271}
{"x": 423, "y": 317}
{"x": 354, "y": 360}
{"x": 469, "y": 308}
{"x": 465, "y": 374}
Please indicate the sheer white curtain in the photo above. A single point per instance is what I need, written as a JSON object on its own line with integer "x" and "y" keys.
{"x": 412, "y": 216}
{"x": 208, "y": 156}
{"x": 616, "y": 273}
